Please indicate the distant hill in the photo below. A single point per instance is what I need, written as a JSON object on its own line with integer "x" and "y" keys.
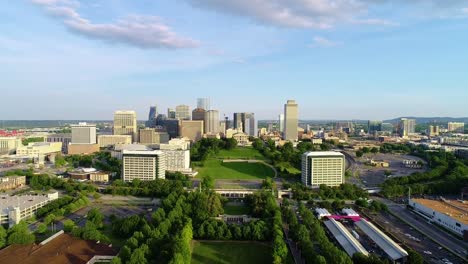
{"x": 424, "y": 120}
{"x": 419, "y": 120}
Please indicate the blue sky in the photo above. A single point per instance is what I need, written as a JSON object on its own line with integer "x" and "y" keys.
{"x": 342, "y": 59}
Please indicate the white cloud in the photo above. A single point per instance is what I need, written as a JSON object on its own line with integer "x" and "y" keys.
{"x": 318, "y": 14}
{"x": 147, "y": 32}
{"x": 321, "y": 42}
{"x": 322, "y": 14}
{"x": 375, "y": 21}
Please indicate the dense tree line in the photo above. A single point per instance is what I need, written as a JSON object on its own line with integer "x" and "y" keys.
{"x": 375, "y": 205}
{"x": 311, "y": 238}
{"x": 18, "y": 234}
{"x": 183, "y": 216}
{"x": 54, "y": 205}
{"x": 263, "y": 205}
{"x": 168, "y": 234}
{"x": 218, "y": 230}
{"x": 286, "y": 154}
{"x": 207, "y": 147}
{"x": 345, "y": 191}
{"x": 447, "y": 175}
{"x": 395, "y": 148}
{"x": 100, "y": 160}
{"x": 44, "y": 182}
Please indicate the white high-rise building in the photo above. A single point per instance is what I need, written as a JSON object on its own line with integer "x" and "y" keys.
{"x": 456, "y": 127}
{"x": 323, "y": 167}
{"x": 125, "y": 123}
{"x": 145, "y": 165}
{"x": 83, "y": 133}
{"x": 177, "y": 155}
{"x": 291, "y": 120}
{"x": 281, "y": 123}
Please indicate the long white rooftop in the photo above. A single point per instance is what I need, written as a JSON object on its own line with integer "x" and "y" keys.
{"x": 132, "y": 147}
{"x": 323, "y": 153}
{"x": 23, "y": 202}
{"x": 142, "y": 152}
{"x": 392, "y": 249}
{"x": 350, "y": 244}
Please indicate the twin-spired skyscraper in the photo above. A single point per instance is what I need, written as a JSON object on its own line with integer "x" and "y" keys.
{"x": 291, "y": 120}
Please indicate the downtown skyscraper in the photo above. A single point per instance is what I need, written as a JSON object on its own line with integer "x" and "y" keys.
{"x": 125, "y": 123}
{"x": 246, "y": 122}
{"x": 203, "y": 103}
{"x": 152, "y": 116}
{"x": 291, "y": 120}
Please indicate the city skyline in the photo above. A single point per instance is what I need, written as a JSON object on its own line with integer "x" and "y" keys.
{"x": 70, "y": 59}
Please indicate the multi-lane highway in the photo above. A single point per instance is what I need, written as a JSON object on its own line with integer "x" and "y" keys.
{"x": 456, "y": 246}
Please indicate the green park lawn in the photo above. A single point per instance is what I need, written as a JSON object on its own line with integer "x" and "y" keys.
{"x": 286, "y": 167}
{"x": 237, "y": 209}
{"x": 234, "y": 170}
{"x": 240, "y": 153}
{"x": 230, "y": 253}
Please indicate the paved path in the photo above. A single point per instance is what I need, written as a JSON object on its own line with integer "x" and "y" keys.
{"x": 447, "y": 241}
{"x": 296, "y": 253}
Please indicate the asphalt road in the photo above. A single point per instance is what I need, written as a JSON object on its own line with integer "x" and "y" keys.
{"x": 430, "y": 250}
{"x": 444, "y": 239}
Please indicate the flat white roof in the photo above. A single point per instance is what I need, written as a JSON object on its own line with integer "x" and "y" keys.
{"x": 142, "y": 152}
{"x": 322, "y": 211}
{"x": 392, "y": 249}
{"x": 344, "y": 237}
{"x": 132, "y": 147}
{"x": 23, "y": 202}
{"x": 350, "y": 212}
{"x": 324, "y": 153}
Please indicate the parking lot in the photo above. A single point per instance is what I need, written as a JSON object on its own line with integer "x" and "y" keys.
{"x": 373, "y": 176}
{"x": 120, "y": 206}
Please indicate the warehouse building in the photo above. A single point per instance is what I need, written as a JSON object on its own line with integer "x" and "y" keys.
{"x": 452, "y": 215}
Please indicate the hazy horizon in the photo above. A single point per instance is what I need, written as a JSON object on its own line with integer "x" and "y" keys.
{"x": 76, "y": 60}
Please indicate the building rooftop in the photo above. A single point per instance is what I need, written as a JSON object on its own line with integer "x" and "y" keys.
{"x": 125, "y": 112}
{"x": 38, "y": 144}
{"x": 133, "y": 147}
{"x": 82, "y": 124}
{"x": 346, "y": 240}
{"x": 62, "y": 249}
{"x": 455, "y": 209}
{"x": 142, "y": 152}
{"x": 23, "y": 202}
{"x": 324, "y": 153}
{"x": 110, "y": 135}
{"x": 392, "y": 249}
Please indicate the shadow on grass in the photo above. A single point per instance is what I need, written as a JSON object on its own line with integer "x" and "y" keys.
{"x": 254, "y": 169}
